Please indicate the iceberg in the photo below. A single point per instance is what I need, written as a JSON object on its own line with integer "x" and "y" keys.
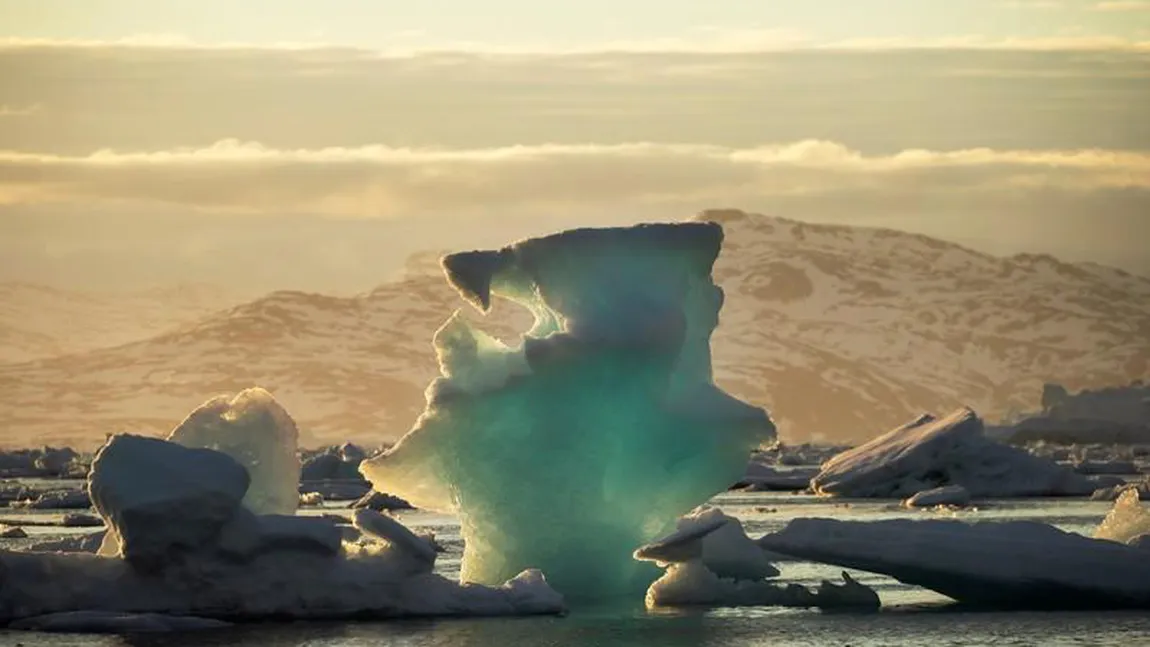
{"x": 589, "y": 438}
{"x": 180, "y": 543}
{"x": 930, "y": 452}
{"x": 1008, "y": 565}
{"x": 160, "y": 499}
{"x": 256, "y": 431}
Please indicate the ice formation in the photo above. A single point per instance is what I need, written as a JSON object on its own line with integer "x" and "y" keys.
{"x": 567, "y": 451}
{"x": 691, "y": 584}
{"x": 1126, "y": 521}
{"x": 159, "y": 498}
{"x": 761, "y": 477}
{"x": 945, "y": 495}
{"x": 934, "y": 452}
{"x": 1011, "y": 565}
{"x": 710, "y": 561}
{"x": 715, "y": 538}
{"x": 180, "y": 543}
{"x": 256, "y": 431}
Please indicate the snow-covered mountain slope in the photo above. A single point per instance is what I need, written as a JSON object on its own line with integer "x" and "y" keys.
{"x": 38, "y": 321}
{"x": 345, "y": 368}
{"x": 841, "y": 332}
{"x": 846, "y": 332}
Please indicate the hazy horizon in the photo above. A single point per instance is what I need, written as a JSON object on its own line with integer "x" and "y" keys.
{"x": 151, "y": 143}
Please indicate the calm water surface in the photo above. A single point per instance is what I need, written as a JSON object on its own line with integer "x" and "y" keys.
{"x": 910, "y": 616}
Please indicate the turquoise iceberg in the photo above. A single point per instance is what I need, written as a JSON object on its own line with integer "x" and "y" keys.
{"x": 568, "y": 451}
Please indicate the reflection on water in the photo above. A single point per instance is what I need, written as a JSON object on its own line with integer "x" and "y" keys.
{"x": 621, "y": 628}
{"x": 910, "y": 617}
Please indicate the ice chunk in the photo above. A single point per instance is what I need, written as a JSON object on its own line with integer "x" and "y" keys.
{"x": 715, "y": 538}
{"x": 1112, "y": 492}
{"x": 929, "y": 453}
{"x": 56, "y": 500}
{"x": 158, "y": 497}
{"x": 1113, "y": 467}
{"x": 12, "y": 532}
{"x": 946, "y": 495}
{"x": 683, "y": 545}
{"x": 191, "y": 549}
{"x": 46, "y": 462}
{"x": 1126, "y": 520}
{"x": 332, "y": 463}
{"x": 417, "y": 549}
{"x": 247, "y": 535}
{"x": 530, "y": 594}
{"x": 565, "y": 452}
{"x": 89, "y": 543}
{"x": 256, "y": 431}
{"x": 310, "y": 499}
{"x": 340, "y": 490}
{"x": 691, "y": 584}
{"x": 1019, "y": 564}
{"x": 380, "y": 501}
{"x": 761, "y": 477}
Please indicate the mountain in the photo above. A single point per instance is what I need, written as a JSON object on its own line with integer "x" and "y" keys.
{"x": 841, "y": 332}
{"x": 346, "y": 368}
{"x": 38, "y": 321}
{"x": 847, "y": 331}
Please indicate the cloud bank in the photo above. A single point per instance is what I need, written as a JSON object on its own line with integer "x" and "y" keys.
{"x": 381, "y": 181}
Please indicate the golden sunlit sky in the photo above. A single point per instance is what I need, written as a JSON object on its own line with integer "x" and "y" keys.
{"x": 313, "y": 145}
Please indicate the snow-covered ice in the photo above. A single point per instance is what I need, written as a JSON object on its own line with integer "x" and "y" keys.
{"x": 88, "y": 543}
{"x": 418, "y": 550}
{"x": 760, "y": 476}
{"x": 1126, "y": 521}
{"x": 718, "y": 539}
{"x": 691, "y": 584}
{"x": 933, "y": 452}
{"x": 55, "y": 500}
{"x": 1018, "y": 564}
{"x": 710, "y": 561}
{"x": 945, "y": 495}
{"x": 256, "y": 431}
{"x": 180, "y": 543}
{"x": 159, "y": 498}
{"x": 567, "y": 451}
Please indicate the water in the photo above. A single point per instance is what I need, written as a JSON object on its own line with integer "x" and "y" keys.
{"x": 910, "y": 616}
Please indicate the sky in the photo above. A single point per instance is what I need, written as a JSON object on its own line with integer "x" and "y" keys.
{"x": 146, "y": 142}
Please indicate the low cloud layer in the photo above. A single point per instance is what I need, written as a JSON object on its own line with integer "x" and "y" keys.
{"x": 380, "y": 181}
